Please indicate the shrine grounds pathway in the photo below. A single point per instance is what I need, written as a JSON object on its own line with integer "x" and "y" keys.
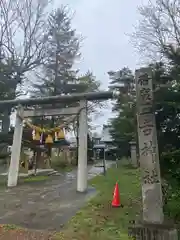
{"x": 40, "y": 207}
{"x": 45, "y": 205}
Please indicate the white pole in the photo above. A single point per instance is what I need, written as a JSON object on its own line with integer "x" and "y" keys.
{"x": 16, "y": 149}
{"x": 82, "y": 173}
{"x": 104, "y": 161}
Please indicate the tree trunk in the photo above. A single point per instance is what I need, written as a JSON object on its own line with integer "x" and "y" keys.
{"x": 5, "y": 129}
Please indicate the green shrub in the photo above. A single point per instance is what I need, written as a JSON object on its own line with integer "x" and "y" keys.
{"x": 172, "y": 206}
{"x": 57, "y": 162}
{"x": 170, "y": 165}
{"x": 170, "y": 171}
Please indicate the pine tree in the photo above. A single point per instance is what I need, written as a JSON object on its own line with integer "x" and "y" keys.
{"x": 58, "y": 76}
{"x": 124, "y": 124}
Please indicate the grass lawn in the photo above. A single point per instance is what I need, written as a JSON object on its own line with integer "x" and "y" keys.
{"x": 98, "y": 220}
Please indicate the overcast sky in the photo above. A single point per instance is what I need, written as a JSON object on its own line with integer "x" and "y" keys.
{"x": 105, "y": 25}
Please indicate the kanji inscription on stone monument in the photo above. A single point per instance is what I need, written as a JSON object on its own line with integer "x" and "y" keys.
{"x": 148, "y": 148}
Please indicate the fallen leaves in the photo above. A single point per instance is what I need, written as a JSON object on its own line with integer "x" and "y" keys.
{"x": 11, "y": 232}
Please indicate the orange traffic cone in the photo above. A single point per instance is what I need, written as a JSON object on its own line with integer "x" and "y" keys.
{"x": 116, "y": 197}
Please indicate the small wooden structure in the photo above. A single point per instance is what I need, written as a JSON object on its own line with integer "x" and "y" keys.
{"x": 33, "y": 153}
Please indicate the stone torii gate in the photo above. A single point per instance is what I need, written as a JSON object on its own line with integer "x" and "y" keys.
{"x": 82, "y": 98}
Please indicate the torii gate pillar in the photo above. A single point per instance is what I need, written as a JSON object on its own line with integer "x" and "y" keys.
{"x": 82, "y": 173}
{"x": 16, "y": 149}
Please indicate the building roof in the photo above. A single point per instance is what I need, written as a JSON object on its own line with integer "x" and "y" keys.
{"x": 98, "y": 146}
{"x": 96, "y": 135}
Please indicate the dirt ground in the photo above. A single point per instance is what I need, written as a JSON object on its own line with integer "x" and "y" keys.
{"x": 25, "y": 235}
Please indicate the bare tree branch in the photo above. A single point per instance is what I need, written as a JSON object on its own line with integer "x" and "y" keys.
{"x": 158, "y": 28}
{"x": 22, "y": 33}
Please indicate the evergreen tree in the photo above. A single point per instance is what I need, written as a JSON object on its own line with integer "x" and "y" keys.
{"x": 58, "y": 76}
{"x": 124, "y": 124}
